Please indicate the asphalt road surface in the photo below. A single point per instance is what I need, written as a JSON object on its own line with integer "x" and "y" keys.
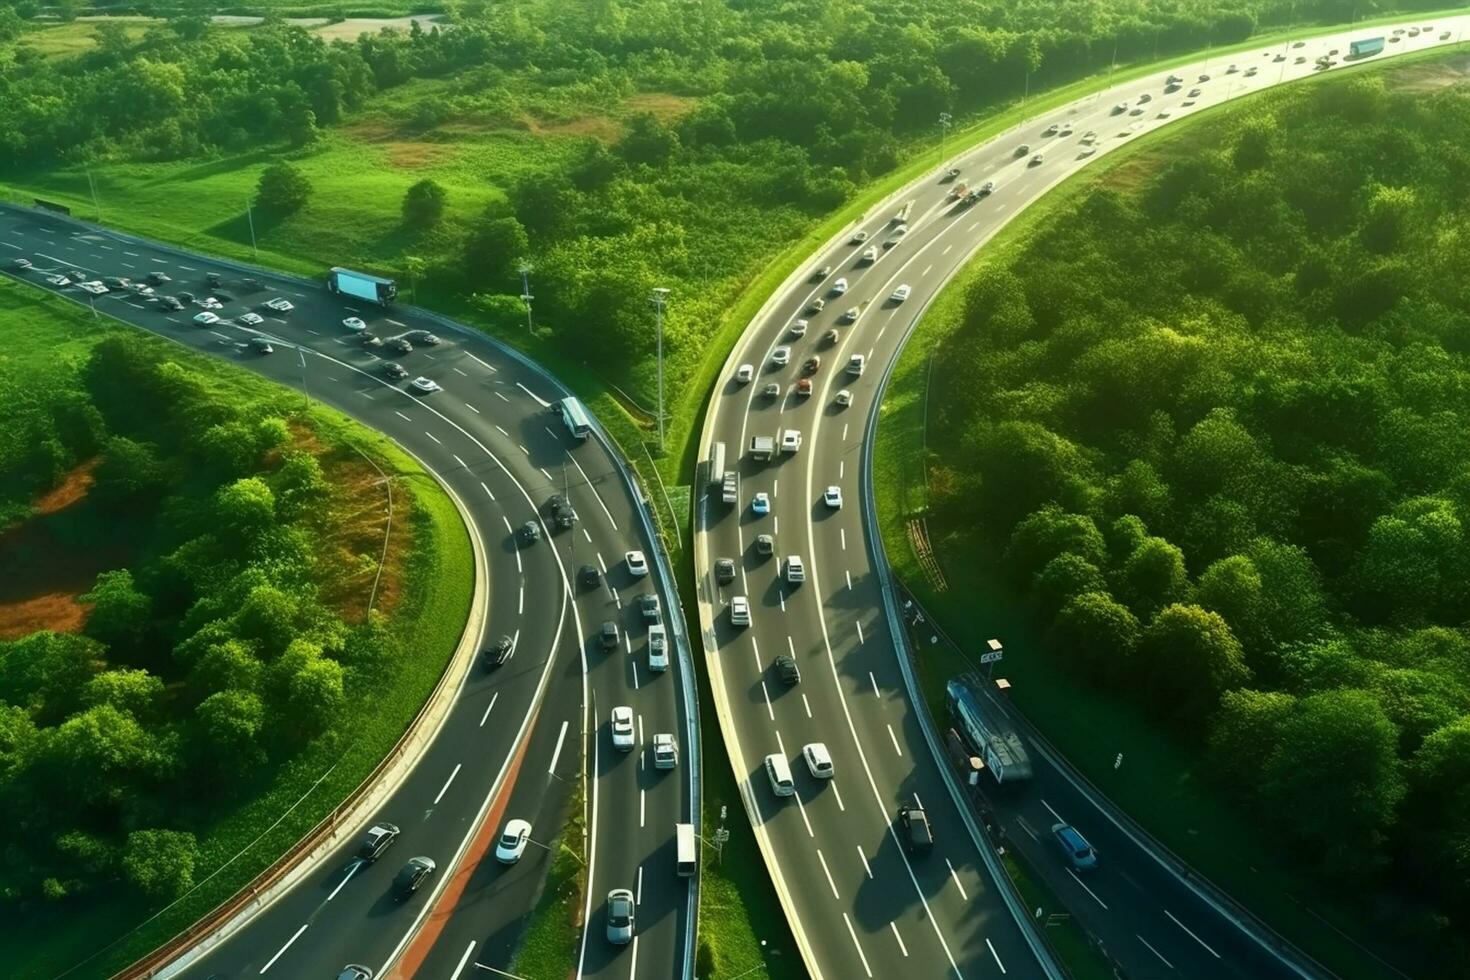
{"x": 859, "y": 906}
{"x": 489, "y": 436}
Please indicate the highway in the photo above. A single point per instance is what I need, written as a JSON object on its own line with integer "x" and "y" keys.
{"x": 857, "y": 904}
{"x": 512, "y": 745}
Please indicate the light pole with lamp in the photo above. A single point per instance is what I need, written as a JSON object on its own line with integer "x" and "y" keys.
{"x": 524, "y": 268}
{"x": 944, "y": 121}
{"x": 660, "y": 297}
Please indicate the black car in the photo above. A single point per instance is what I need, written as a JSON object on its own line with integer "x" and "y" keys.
{"x": 530, "y": 532}
{"x": 918, "y": 837}
{"x": 252, "y": 285}
{"x": 787, "y": 670}
{"x": 170, "y": 303}
{"x": 158, "y": 278}
{"x": 399, "y": 345}
{"x": 212, "y": 278}
{"x": 555, "y": 502}
{"x": 497, "y": 653}
{"x": 609, "y": 635}
{"x": 117, "y": 282}
{"x": 378, "y": 840}
{"x": 724, "y": 570}
{"x": 423, "y": 337}
{"x": 261, "y": 345}
{"x": 951, "y": 174}
{"x": 395, "y": 370}
{"x": 765, "y": 544}
{"x": 589, "y": 576}
{"x": 185, "y": 298}
{"x": 565, "y": 517}
{"x": 223, "y": 297}
{"x": 417, "y": 871}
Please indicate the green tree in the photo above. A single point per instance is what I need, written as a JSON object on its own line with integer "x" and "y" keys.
{"x": 136, "y": 692}
{"x": 1243, "y": 735}
{"x": 1390, "y": 216}
{"x": 1050, "y": 532}
{"x": 1153, "y": 577}
{"x": 226, "y": 728}
{"x": 160, "y": 863}
{"x": 1334, "y": 782}
{"x": 648, "y": 141}
{"x": 101, "y": 756}
{"x": 1065, "y": 577}
{"x": 423, "y": 204}
{"x": 299, "y": 486}
{"x": 121, "y": 615}
{"x": 130, "y": 474}
{"x": 230, "y": 665}
{"x": 46, "y": 673}
{"x": 494, "y": 247}
{"x": 246, "y": 508}
{"x": 282, "y": 190}
{"x": 1187, "y": 658}
{"x": 1232, "y": 587}
{"x": 1096, "y": 632}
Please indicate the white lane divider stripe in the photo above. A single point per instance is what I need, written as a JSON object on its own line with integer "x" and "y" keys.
{"x": 853, "y": 933}
{"x": 491, "y": 368}
{"x": 472, "y": 408}
{"x": 901, "y": 947}
{"x": 996, "y": 955}
{"x": 895, "y": 741}
{"x": 356, "y": 865}
{"x": 488, "y": 708}
{"x": 462, "y": 961}
{"x": 956, "y": 878}
{"x": 825, "y": 870}
{"x": 539, "y": 400}
{"x": 1094, "y": 894}
{"x": 1150, "y": 948}
{"x": 445, "y": 788}
{"x": 864, "y": 858}
{"x": 1191, "y": 934}
{"x": 272, "y": 961}
{"x": 556, "y": 752}
{"x": 432, "y": 436}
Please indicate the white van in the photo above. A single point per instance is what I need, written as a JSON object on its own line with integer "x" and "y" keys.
{"x": 795, "y": 570}
{"x": 779, "y": 773}
{"x": 818, "y": 760}
{"x": 856, "y": 364}
{"x": 688, "y": 854}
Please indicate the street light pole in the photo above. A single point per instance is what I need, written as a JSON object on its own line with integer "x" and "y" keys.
{"x": 250, "y": 216}
{"x": 944, "y": 120}
{"x": 660, "y": 297}
{"x": 92, "y": 185}
{"x": 525, "y": 270}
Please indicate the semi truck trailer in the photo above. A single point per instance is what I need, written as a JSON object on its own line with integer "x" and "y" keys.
{"x": 360, "y": 285}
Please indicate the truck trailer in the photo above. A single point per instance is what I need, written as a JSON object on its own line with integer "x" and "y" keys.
{"x": 1365, "y": 48}
{"x": 986, "y": 731}
{"x": 762, "y": 447}
{"x": 360, "y": 285}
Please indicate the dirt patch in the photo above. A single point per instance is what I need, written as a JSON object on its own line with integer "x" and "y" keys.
{"x": 74, "y": 486}
{"x": 349, "y": 29}
{"x": 416, "y": 154}
{"x": 600, "y": 128}
{"x": 665, "y": 106}
{"x": 59, "y": 612}
{"x": 351, "y": 541}
{"x": 1432, "y": 76}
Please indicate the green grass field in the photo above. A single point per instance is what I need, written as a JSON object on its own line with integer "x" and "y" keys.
{"x": 438, "y": 580}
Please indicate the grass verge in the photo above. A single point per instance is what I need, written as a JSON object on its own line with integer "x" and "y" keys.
{"x": 1162, "y": 784}
{"x": 549, "y": 944}
{"x": 438, "y": 582}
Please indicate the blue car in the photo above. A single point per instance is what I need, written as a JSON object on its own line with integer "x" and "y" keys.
{"x": 1080, "y": 854}
{"x": 761, "y": 504}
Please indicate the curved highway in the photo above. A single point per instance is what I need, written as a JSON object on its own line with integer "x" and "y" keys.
{"x": 512, "y": 744}
{"x": 859, "y": 904}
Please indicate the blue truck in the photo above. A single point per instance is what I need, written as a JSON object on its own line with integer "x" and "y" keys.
{"x": 360, "y": 285}
{"x": 986, "y": 732}
{"x": 1365, "y": 48}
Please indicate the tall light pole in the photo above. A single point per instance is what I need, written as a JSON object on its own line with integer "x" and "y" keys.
{"x": 660, "y": 297}
{"x": 93, "y": 186}
{"x": 525, "y": 270}
{"x": 250, "y": 216}
{"x": 944, "y": 121}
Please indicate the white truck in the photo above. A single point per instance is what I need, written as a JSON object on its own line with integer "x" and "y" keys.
{"x": 790, "y": 440}
{"x": 762, "y": 447}
{"x": 729, "y": 491}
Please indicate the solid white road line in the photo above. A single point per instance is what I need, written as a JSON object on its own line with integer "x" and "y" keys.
{"x": 445, "y": 788}
{"x": 462, "y": 961}
{"x": 875, "y": 684}
{"x": 472, "y": 408}
{"x": 501, "y": 430}
{"x": 956, "y": 880}
{"x": 1151, "y": 949}
{"x": 272, "y": 961}
{"x": 539, "y": 400}
{"x": 556, "y": 753}
{"x": 593, "y": 488}
{"x": 492, "y": 369}
{"x": 806, "y": 704}
{"x": 836, "y": 793}
{"x": 849, "y": 580}
{"x": 642, "y": 807}
{"x": 432, "y": 436}
{"x": 851, "y": 932}
{"x": 1054, "y": 813}
{"x": 895, "y": 741}
{"x": 402, "y": 416}
{"x": 356, "y": 865}
{"x": 633, "y": 968}
{"x": 638, "y": 892}
{"x": 1093, "y": 893}
{"x": 766, "y": 694}
{"x": 901, "y": 947}
{"x": 864, "y": 858}
{"x": 1191, "y": 934}
{"x": 859, "y": 631}
{"x": 488, "y": 707}
{"x": 825, "y": 870}
{"x": 996, "y": 955}
{"x": 501, "y": 397}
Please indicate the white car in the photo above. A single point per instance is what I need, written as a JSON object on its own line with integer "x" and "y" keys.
{"x": 744, "y": 374}
{"x": 512, "y": 842}
{"x": 844, "y": 397}
{"x": 901, "y": 293}
{"x": 95, "y": 288}
{"x": 58, "y": 280}
{"x": 665, "y": 751}
{"x": 280, "y": 305}
{"x": 870, "y": 254}
{"x": 210, "y": 303}
{"x": 740, "y": 611}
{"x": 206, "y": 318}
{"x": 355, "y": 324}
{"x": 798, "y": 328}
{"x": 818, "y": 760}
{"x": 637, "y": 564}
{"x": 658, "y": 648}
{"x": 250, "y": 319}
{"x": 833, "y": 497}
{"x": 781, "y": 356}
{"x": 839, "y": 287}
{"x": 622, "y": 728}
{"x": 426, "y": 385}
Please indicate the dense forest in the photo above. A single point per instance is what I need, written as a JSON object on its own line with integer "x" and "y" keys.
{"x": 772, "y": 114}
{"x": 206, "y": 663}
{"x": 1214, "y": 418}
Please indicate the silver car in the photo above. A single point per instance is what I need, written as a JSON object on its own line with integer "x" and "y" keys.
{"x": 621, "y": 913}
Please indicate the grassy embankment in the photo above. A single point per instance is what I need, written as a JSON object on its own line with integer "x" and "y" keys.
{"x": 1162, "y": 783}
{"x": 434, "y": 579}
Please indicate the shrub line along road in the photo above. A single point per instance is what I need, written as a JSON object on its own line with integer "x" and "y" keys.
{"x": 489, "y": 437}
{"x": 858, "y": 905}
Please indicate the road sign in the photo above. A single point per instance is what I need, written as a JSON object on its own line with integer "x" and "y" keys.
{"x": 992, "y": 657}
